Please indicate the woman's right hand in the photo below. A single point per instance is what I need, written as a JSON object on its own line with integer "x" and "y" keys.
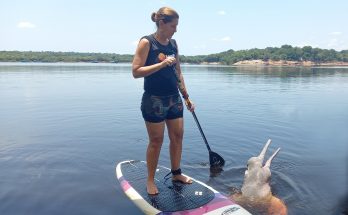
{"x": 169, "y": 61}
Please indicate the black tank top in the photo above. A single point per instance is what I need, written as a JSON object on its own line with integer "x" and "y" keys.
{"x": 164, "y": 81}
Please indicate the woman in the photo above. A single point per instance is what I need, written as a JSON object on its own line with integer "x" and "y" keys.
{"x": 157, "y": 61}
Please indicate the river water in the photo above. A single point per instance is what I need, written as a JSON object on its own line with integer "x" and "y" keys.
{"x": 64, "y": 127}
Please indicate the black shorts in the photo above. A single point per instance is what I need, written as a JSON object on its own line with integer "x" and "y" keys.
{"x": 160, "y": 108}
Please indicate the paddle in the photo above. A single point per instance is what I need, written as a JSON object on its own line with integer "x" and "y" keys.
{"x": 215, "y": 159}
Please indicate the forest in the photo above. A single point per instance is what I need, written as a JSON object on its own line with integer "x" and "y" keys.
{"x": 285, "y": 52}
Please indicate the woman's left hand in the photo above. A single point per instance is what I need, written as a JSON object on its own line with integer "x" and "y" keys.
{"x": 190, "y": 105}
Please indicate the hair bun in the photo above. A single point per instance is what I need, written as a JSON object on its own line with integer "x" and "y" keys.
{"x": 153, "y": 17}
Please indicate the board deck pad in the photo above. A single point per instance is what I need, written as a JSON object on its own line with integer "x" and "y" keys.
{"x": 173, "y": 196}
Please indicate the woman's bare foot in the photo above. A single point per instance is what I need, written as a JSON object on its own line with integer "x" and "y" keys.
{"x": 151, "y": 188}
{"x": 182, "y": 179}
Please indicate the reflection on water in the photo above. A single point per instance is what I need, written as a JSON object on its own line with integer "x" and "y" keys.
{"x": 63, "y": 128}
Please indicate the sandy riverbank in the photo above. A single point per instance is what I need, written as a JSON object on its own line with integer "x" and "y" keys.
{"x": 288, "y": 63}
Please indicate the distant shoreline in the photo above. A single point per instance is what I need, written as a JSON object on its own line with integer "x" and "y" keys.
{"x": 290, "y": 63}
{"x": 282, "y": 63}
{"x": 286, "y": 55}
{"x": 245, "y": 63}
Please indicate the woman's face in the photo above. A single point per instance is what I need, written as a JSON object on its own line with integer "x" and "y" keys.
{"x": 169, "y": 28}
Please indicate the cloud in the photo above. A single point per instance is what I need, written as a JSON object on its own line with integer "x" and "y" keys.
{"x": 25, "y": 24}
{"x": 226, "y": 39}
{"x": 222, "y": 12}
{"x": 336, "y": 33}
{"x": 223, "y": 39}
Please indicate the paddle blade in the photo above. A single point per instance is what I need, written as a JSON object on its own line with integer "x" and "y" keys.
{"x": 215, "y": 171}
{"x": 216, "y": 160}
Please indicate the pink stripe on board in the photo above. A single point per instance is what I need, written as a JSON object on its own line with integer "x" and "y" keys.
{"x": 218, "y": 202}
{"x": 124, "y": 184}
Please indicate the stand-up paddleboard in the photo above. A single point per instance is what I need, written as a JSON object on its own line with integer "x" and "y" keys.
{"x": 174, "y": 198}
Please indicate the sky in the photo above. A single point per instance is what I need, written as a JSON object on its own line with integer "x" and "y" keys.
{"x": 205, "y": 27}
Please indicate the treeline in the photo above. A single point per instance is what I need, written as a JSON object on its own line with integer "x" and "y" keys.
{"x": 285, "y": 52}
{"x": 47, "y": 56}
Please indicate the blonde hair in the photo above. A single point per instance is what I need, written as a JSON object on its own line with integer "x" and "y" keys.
{"x": 166, "y": 14}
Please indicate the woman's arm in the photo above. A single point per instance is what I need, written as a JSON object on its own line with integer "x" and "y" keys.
{"x": 138, "y": 66}
{"x": 180, "y": 77}
{"x": 181, "y": 85}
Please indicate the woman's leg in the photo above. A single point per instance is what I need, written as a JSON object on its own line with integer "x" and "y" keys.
{"x": 155, "y": 132}
{"x": 175, "y": 133}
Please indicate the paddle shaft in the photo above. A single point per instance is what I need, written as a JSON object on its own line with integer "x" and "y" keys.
{"x": 200, "y": 129}
{"x": 193, "y": 113}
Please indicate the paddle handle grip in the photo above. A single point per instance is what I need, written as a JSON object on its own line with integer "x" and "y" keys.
{"x": 200, "y": 130}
